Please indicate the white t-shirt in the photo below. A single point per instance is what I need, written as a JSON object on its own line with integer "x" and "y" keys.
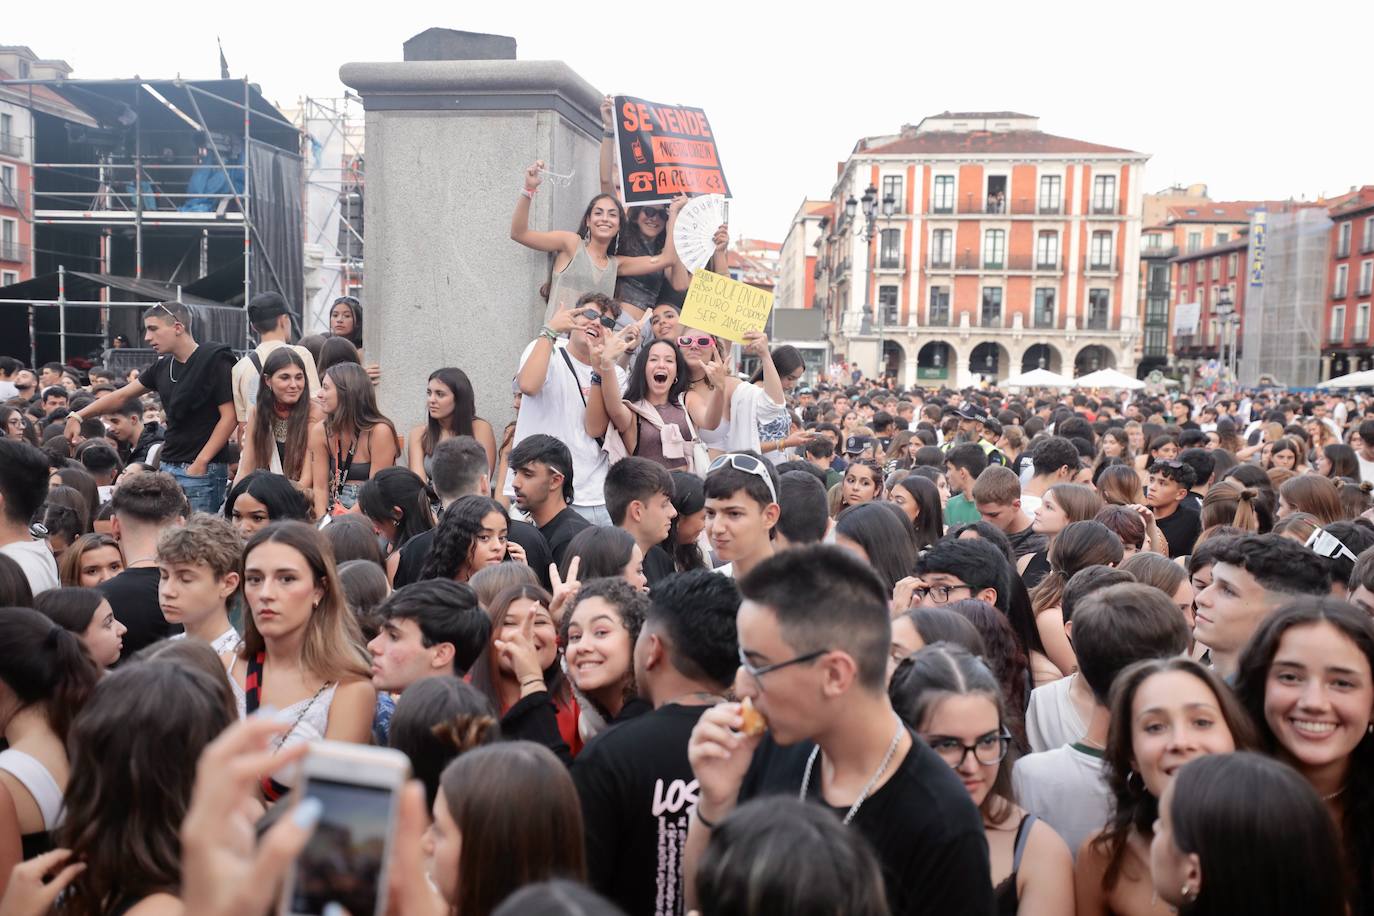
{"x": 36, "y": 560}
{"x": 1366, "y": 468}
{"x": 224, "y": 643}
{"x": 244, "y": 377}
{"x": 1051, "y": 719}
{"x": 559, "y": 410}
{"x": 1030, "y": 502}
{"x": 1065, "y": 788}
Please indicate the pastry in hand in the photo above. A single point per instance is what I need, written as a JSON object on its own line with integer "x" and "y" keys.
{"x": 754, "y": 722}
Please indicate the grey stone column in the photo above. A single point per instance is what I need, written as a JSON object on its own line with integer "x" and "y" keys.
{"x": 447, "y": 143}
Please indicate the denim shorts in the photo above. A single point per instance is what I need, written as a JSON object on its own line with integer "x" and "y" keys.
{"x": 204, "y": 493}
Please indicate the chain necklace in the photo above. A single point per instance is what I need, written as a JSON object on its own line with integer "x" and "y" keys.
{"x": 173, "y": 363}
{"x": 863, "y": 796}
{"x": 1336, "y": 794}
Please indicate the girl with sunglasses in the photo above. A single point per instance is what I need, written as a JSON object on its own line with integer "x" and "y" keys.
{"x": 955, "y": 704}
{"x": 654, "y": 419}
{"x": 590, "y": 259}
{"x": 753, "y": 417}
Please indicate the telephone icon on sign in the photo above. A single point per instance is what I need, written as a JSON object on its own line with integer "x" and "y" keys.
{"x": 641, "y": 182}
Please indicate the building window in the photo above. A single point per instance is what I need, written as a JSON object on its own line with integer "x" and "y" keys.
{"x": 1047, "y": 249}
{"x": 1361, "y": 322}
{"x": 9, "y": 188}
{"x": 996, "y": 194}
{"x": 1187, "y": 272}
{"x": 8, "y": 146}
{"x": 992, "y": 307}
{"x": 1233, "y": 264}
{"x": 890, "y": 249}
{"x": 1223, "y": 238}
{"x": 1156, "y": 342}
{"x": 1044, "y": 308}
{"x": 1099, "y": 309}
{"x": 1343, "y": 239}
{"x": 942, "y": 201}
{"x": 8, "y": 277}
{"x": 1338, "y": 292}
{"x": 1337, "y": 333}
{"x": 1156, "y": 310}
{"x": 1366, "y": 277}
{"x": 1367, "y": 243}
{"x": 994, "y": 248}
{"x": 892, "y": 187}
{"x": 1159, "y": 279}
{"x": 887, "y": 304}
{"x": 938, "y": 313}
{"x": 1051, "y": 193}
{"x": 9, "y": 248}
{"x": 1153, "y": 241}
{"x": 1100, "y": 255}
{"x": 1194, "y": 241}
{"x": 941, "y": 244}
{"x": 1104, "y": 194}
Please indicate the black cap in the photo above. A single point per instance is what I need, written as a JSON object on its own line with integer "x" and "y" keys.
{"x": 266, "y": 306}
{"x": 971, "y": 411}
{"x": 856, "y": 444}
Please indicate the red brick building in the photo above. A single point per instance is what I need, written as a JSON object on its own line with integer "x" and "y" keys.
{"x": 1346, "y": 345}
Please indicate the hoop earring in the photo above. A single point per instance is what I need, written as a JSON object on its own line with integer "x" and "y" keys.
{"x": 1188, "y": 894}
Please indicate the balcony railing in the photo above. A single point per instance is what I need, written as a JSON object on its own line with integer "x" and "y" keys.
{"x": 988, "y": 318}
{"x": 937, "y": 317}
{"x": 10, "y": 145}
{"x": 941, "y": 207}
{"x": 1021, "y": 263}
{"x": 1049, "y": 208}
{"x": 1339, "y": 292}
{"x": 1343, "y": 249}
{"x": 1159, "y": 251}
{"x": 1367, "y": 246}
{"x": 1363, "y": 290}
{"x": 13, "y": 251}
{"x": 1110, "y": 265}
{"x": 940, "y": 262}
{"x": 1097, "y": 322}
{"x": 1104, "y": 207}
{"x": 1047, "y": 321}
{"x": 8, "y": 198}
{"x": 889, "y": 263}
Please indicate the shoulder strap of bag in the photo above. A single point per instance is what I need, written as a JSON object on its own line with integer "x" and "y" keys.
{"x": 255, "y": 360}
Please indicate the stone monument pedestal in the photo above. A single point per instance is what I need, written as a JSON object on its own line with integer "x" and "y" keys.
{"x": 447, "y": 145}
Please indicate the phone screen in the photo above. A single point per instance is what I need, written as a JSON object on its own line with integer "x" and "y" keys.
{"x": 342, "y": 863}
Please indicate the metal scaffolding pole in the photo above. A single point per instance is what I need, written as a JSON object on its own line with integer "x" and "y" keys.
{"x": 247, "y": 218}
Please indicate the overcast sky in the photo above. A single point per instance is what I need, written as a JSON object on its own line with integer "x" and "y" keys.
{"x": 1255, "y": 100}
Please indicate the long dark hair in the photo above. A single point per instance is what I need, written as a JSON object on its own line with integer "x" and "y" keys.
{"x": 890, "y": 546}
{"x": 297, "y": 420}
{"x": 929, "y": 526}
{"x": 1265, "y": 840}
{"x": 69, "y": 608}
{"x": 277, "y": 494}
{"x": 520, "y": 800}
{"x": 1004, "y": 655}
{"x": 1252, "y": 675}
{"x": 133, "y": 759}
{"x": 584, "y": 229}
{"x": 1078, "y": 546}
{"x": 464, "y": 408}
{"x": 1344, "y": 462}
{"x": 637, "y": 388}
{"x": 1134, "y": 809}
{"x": 354, "y": 306}
{"x": 604, "y": 552}
{"x": 453, "y": 539}
{"x": 356, "y": 409}
{"x": 485, "y": 673}
{"x": 689, "y": 498}
{"x": 397, "y": 488}
{"x": 786, "y": 359}
{"x": 42, "y": 663}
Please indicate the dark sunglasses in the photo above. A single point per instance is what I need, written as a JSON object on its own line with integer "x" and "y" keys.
{"x": 654, "y": 213}
{"x": 593, "y": 315}
{"x": 703, "y": 343}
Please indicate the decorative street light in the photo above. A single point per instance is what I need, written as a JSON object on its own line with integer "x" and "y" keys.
{"x": 870, "y": 209}
{"x": 1229, "y": 319}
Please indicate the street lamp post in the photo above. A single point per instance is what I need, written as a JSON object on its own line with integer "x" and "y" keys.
{"x": 869, "y": 203}
{"x": 1230, "y": 331}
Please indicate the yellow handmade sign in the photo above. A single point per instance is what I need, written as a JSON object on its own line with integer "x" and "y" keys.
{"x": 725, "y": 307}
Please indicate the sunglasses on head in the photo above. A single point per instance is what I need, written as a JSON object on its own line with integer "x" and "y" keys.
{"x": 704, "y": 342}
{"x": 1326, "y": 544}
{"x": 749, "y": 465}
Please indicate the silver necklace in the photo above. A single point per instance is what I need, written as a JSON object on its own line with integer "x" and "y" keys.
{"x": 173, "y": 363}
{"x": 863, "y": 796}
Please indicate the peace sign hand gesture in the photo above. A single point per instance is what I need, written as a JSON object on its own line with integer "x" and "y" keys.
{"x": 564, "y": 591}
{"x": 534, "y": 175}
{"x": 519, "y": 652}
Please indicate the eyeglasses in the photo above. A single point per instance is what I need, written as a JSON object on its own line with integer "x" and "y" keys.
{"x": 938, "y": 593}
{"x": 701, "y": 343}
{"x": 988, "y": 750}
{"x": 1324, "y": 543}
{"x": 654, "y": 213}
{"x": 758, "y": 673}
{"x": 749, "y": 465}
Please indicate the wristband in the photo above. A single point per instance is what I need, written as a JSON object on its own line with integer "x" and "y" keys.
{"x": 533, "y": 680}
{"x": 528, "y": 192}
{"x": 547, "y": 332}
{"x": 596, "y": 378}
{"x": 709, "y": 825}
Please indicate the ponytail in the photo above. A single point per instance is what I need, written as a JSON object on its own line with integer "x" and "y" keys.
{"x": 465, "y": 732}
{"x": 1245, "y": 517}
{"x": 42, "y": 663}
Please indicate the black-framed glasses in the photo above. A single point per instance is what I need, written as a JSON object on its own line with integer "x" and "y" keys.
{"x": 749, "y": 465}
{"x": 988, "y": 750}
{"x": 938, "y": 593}
{"x": 757, "y": 673}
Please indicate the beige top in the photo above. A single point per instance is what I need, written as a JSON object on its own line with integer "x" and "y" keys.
{"x": 245, "y": 376}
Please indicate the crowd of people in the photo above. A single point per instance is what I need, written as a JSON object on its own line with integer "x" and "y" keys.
{"x": 677, "y": 638}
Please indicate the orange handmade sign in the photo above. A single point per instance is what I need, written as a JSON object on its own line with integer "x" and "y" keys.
{"x": 665, "y": 150}
{"x": 725, "y": 307}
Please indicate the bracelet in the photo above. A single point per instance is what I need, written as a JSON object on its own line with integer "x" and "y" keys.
{"x": 596, "y": 379}
{"x": 547, "y": 333}
{"x": 527, "y": 192}
{"x": 709, "y": 825}
{"x": 533, "y": 680}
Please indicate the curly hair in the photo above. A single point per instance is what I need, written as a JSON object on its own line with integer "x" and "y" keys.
{"x": 456, "y": 535}
{"x": 630, "y": 603}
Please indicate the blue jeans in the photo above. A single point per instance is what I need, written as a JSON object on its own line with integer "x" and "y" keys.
{"x": 205, "y": 493}
{"x": 597, "y": 515}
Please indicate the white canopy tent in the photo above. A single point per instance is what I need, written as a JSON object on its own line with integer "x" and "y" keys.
{"x": 1038, "y": 378}
{"x": 1108, "y": 378}
{"x": 1363, "y": 379}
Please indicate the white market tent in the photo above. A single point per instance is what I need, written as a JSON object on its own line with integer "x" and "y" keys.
{"x": 1108, "y": 378}
{"x": 1363, "y": 379}
{"x": 1037, "y": 378}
